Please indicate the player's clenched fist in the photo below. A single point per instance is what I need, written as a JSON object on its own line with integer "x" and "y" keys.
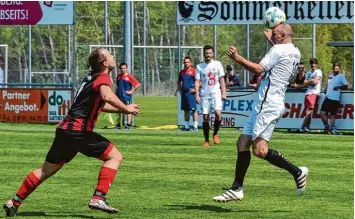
{"x": 232, "y": 51}
{"x": 133, "y": 109}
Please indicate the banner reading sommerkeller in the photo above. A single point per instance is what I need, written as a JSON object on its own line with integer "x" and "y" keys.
{"x": 251, "y": 12}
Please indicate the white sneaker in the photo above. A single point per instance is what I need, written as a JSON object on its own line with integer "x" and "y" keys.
{"x": 301, "y": 181}
{"x": 102, "y": 205}
{"x": 229, "y": 195}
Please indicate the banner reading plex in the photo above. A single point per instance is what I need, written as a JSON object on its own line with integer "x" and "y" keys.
{"x": 34, "y": 105}
{"x": 36, "y": 12}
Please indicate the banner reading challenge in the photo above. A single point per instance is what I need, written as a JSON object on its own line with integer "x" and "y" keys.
{"x": 36, "y": 12}
{"x": 34, "y": 105}
{"x": 238, "y": 106}
{"x": 251, "y": 12}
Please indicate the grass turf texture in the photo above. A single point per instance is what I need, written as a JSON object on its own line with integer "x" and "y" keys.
{"x": 167, "y": 174}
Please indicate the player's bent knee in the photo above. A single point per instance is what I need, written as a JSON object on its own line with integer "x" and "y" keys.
{"x": 118, "y": 156}
{"x": 260, "y": 147}
{"x": 113, "y": 154}
{"x": 244, "y": 142}
{"x": 259, "y": 152}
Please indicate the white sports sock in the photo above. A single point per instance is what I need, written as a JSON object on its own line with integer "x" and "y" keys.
{"x": 195, "y": 124}
{"x": 187, "y": 126}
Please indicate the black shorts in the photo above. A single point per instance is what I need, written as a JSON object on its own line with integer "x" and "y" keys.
{"x": 330, "y": 106}
{"x": 67, "y": 144}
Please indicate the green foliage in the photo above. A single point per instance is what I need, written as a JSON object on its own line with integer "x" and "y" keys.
{"x": 49, "y": 43}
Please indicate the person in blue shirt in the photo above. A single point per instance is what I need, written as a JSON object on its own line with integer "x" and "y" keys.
{"x": 126, "y": 85}
{"x": 186, "y": 87}
{"x": 232, "y": 80}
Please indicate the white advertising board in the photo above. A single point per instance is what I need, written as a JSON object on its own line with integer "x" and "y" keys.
{"x": 238, "y": 105}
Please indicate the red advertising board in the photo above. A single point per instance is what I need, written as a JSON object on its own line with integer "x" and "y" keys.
{"x": 34, "y": 105}
{"x": 36, "y": 12}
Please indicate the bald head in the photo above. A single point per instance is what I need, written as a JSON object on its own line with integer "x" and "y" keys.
{"x": 282, "y": 34}
{"x": 286, "y": 29}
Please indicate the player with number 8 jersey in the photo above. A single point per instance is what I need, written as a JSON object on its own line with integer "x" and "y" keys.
{"x": 75, "y": 134}
{"x": 210, "y": 78}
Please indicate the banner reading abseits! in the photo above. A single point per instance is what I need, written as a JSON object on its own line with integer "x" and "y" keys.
{"x": 36, "y": 12}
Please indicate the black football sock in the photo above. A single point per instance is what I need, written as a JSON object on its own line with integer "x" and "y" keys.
{"x": 217, "y": 124}
{"x": 241, "y": 168}
{"x": 206, "y": 130}
{"x": 278, "y": 160}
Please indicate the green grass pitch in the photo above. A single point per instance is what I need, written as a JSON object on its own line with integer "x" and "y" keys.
{"x": 167, "y": 174}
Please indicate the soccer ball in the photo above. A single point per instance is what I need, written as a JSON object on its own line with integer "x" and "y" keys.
{"x": 274, "y": 16}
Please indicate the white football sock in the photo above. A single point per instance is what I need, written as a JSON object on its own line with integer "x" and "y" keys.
{"x": 187, "y": 126}
{"x": 195, "y": 124}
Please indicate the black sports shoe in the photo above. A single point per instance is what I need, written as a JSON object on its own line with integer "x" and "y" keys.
{"x": 10, "y": 209}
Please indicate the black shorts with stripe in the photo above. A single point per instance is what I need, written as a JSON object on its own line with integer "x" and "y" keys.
{"x": 68, "y": 143}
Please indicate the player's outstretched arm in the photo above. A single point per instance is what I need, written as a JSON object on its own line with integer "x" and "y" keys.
{"x": 248, "y": 65}
{"x": 108, "y": 108}
{"x": 109, "y": 97}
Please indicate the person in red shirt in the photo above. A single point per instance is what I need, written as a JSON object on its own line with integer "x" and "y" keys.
{"x": 186, "y": 87}
{"x": 75, "y": 134}
{"x": 126, "y": 85}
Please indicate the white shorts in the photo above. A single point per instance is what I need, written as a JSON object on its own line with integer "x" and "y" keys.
{"x": 209, "y": 105}
{"x": 262, "y": 123}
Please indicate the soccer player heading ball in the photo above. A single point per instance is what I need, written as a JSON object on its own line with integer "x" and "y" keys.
{"x": 75, "y": 134}
{"x": 277, "y": 68}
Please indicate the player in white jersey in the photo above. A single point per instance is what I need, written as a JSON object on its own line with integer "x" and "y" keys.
{"x": 277, "y": 67}
{"x": 210, "y": 78}
{"x": 313, "y": 82}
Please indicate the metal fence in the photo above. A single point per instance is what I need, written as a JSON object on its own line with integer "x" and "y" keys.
{"x": 43, "y": 55}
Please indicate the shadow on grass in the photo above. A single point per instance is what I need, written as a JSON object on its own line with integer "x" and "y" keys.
{"x": 54, "y": 215}
{"x": 199, "y": 207}
{"x": 218, "y": 209}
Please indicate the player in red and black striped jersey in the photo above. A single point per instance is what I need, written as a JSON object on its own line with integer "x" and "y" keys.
{"x": 75, "y": 134}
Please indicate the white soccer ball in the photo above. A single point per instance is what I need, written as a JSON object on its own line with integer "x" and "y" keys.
{"x": 274, "y": 16}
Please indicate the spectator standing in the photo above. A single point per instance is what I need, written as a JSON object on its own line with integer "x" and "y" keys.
{"x": 336, "y": 82}
{"x": 126, "y": 85}
{"x": 186, "y": 86}
{"x": 313, "y": 81}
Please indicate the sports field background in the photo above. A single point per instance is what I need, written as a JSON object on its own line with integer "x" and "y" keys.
{"x": 167, "y": 174}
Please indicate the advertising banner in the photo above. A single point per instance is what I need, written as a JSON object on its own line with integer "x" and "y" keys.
{"x": 238, "y": 106}
{"x": 251, "y": 12}
{"x": 34, "y": 105}
{"x": 36, "y": 12}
